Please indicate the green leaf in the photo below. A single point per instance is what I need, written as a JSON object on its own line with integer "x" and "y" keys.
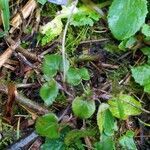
{"x": 105, "y": 120}
{"x": 127, "y": 43}
{"x": 84, "y": 16}
{"x": 123, "y": 106}
{"x": 146, "y": 30}
{"x": 83, "y": 108}
{"x": 68, "y": 140}
{"x": 47, "y": 126}
{"x": 127, "y": 141}
{"x": 42, "y": 1}
{"x": 56, "y": 143}
{"x": 141, "y": 75}
{"x": 5, "y": 14}
{"x": 2, "y": 34}
{"x": 73, "y": 76}
{"x": 49, "y": 92}
{"x": 146, "y": 51}
{"x": 126, "y": 17}
{"x": 53, "y": 145}
{"x": 51, "y": 65}
{"x": 84, "y": 74}
{"x": 106, "y": 143}
{"x": 51, "y": 30}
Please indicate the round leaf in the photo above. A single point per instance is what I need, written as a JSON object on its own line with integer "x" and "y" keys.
{"x": 126, "y": 17}
{"x": 51, "y": 65}
{"x": 47, "y": 126}
{"x": 49, "y": 92}
{"x": 83, "y": 108}
{"x": 73, "y": 76}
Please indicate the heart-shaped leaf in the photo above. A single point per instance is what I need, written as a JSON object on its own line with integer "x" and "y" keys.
{"x": 49, "y": 92}
{"x": 48, "y": 126}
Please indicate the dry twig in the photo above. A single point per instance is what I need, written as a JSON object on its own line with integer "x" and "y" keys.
{"x": 7, "y": 54}
{"x": 25, "y": 102}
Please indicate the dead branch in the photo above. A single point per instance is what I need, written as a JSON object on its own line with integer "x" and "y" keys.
{"x": 26, "y": 53}
{"x": 30, "y": 104}
{"x": 23, "y": 101}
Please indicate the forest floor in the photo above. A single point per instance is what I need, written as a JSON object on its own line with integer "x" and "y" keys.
{"x": 25, "y": 85}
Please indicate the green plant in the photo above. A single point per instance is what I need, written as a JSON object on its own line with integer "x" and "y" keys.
{"x": 105, "y": 120}
{"x": 127, "y": 141}
{"x": 81, "y": 16}
{"x": 52, "y": 64}
{"x": 5, "y": 15}
{"x": 123, "y": 106}
{"x": 49, "y": 92}
{"x": 125, "y": 19}
{"x": 47, "y": 126}
{"x": 83, "y": 107}
{"x": 141, "y": 73}
{"x": 76, "y": 75}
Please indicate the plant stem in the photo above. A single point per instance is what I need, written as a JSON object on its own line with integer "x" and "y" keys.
{"x": 64, "y": 39}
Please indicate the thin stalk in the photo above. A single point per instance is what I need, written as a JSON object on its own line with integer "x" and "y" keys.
{"x": 64, "y": 40}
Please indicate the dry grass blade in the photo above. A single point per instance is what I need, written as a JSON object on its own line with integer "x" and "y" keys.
{"x": 26, "y": 11}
